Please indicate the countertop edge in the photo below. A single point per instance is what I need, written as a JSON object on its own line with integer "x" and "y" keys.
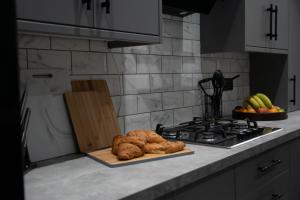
{"x": 206, "y": 171}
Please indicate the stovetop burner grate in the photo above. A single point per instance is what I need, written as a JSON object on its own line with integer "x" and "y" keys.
{"x": 222, "y": 133}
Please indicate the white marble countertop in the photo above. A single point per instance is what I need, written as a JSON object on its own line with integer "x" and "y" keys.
{"x": 87, "y": 179}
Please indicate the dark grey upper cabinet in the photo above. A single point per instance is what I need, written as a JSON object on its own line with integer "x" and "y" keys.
{"x": 246, "y": 25}
{"x": 122, "y": 22}
{"x": 68, "y": 12}
{"x": 138, "y": 16}
{"x": 294, "y": 55}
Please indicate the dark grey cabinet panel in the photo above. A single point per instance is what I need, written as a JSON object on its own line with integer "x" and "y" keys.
{"x": 250, "y": 178}
{"x": 276, "y": 188}
{"x": 294, "y": 55}
{"x": 138, "y": 16}
{"x": 213, "y": 188}
{"x": 122, "y": 23}
{"x": 256, "y": 22}
{"x": 69, "y": 12}
{"x": 295, "y": 171}
{"x": 243, "y": 25}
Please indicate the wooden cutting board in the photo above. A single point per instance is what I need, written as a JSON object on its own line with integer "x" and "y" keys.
{"x": 93, "y": 118}
{"x": 106, "y": 157}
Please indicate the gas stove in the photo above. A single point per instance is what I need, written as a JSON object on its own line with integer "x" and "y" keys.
{"x": 226, "y": 133}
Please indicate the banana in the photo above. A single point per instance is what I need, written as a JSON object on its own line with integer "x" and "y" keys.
{"x": 247, "y": 105}
{"x": 260, "y": 102}
{"x": 253, "y": 103}
{"x": 265, "y": 99}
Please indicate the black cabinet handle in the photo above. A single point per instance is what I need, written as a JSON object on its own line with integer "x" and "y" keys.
{"x": 276, "y": 21}
{"x": 42, "y": 75}
{"x": 88, "y": 4}
{"x": 276, "y": 196}
{"x": 271, "y": 165}
{"x": 270, "y": 34}
{"x": 294, "y": 90}
{"x": 106, "y": 4}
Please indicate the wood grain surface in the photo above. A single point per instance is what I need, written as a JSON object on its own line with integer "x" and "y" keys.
{"x": 106, "y": 157}
{"x": 93, "y": 118}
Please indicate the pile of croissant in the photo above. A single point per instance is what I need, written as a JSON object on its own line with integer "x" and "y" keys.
{"x": 138, "y": 142}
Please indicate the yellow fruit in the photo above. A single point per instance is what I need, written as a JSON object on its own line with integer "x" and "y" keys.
{"x": 253, "y": 103}
{"x": 265, "y": 99}
{"x": 259, "y": 101}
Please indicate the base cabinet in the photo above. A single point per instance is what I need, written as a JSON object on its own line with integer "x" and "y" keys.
{"x": 206, "y": 189}
{"x": 271, "y": 175}
{"x": 295, "y": 171}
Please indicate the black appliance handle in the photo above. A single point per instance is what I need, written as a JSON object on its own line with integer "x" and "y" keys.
{"x": 276, "y": 22}
{"x": 271, "y": 165}
{"x": 106, "y": 4}
{"x": 88, "y": 4}
{"x": 270, "y": 34}
{"x": 294, "y": 90}
{"x": 276, "y": 196}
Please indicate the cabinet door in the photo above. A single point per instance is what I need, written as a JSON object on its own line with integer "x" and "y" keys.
{"x": 136, "y": 16}
{"x": 294, "y": 58}
{"x": 282, "y": 25}
{"x": 295, "y": 172}
{"x": 218, "y": 187}
{"x": 256, "y": 23}
{"x": 69, "y": 12}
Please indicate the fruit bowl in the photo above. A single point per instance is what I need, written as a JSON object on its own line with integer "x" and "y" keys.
{"x": 260, "y": 116}
{"x": 259, "y": 107}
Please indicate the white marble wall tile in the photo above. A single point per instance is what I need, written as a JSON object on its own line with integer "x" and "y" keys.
{"x": 69, "y": 44}
{"x": 183, "y": 81}
{"x": 33, "y": 41}
{"x": 182, "y": 47}
{"x": 191, "y": 65}
{"x": 172, "y": 28}
{"x": 171, "y": 64}
{"x": 166, "y": 16}
{"x": 88, "y": 63}
{"x": 161, "y": 82}
{"x": 140, "y": 121}
{"x": 191, "y": 31}
{"x": 224, "y": 65}
{"x": 114, "y": 82}
{"x": 208, "y": 65}
{"x": 196, "y": 48}
{"x": 22, "y": 58}
{"x": 165, "y": 48}
{"x": 172, "y": 100}
{"x": 195, "y": 18}
{"x": 49, "y": 59}
{"x": 121, "y": 63}
{"x": 148, "y": 64}
{"x": 162, "y": 117}
{"x": 80, "y": 77}
{"x": 149, "y": 102}
{"x": 183, "y": 115}
{"x": 196, "y": 79}
{"x": 98, "y": 45}
{"x": 198, "y": 111}
{"x": 137, "y": 49}
{"x": 38, "y": 85}
{"x": 228, "y": 107}
{"x": 192, "y": 98}
{"x": 121, "y": 125}
{"x": 136, "y": 84}
{"x": 125, "y": 105}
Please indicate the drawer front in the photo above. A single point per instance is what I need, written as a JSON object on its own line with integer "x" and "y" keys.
{"x": 260, "y": 170}
{"x": 276, "y": 189}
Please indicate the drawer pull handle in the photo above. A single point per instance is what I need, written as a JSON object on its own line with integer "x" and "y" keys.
{"x": 272, "y": 164}
{"x": 276, "y": 196}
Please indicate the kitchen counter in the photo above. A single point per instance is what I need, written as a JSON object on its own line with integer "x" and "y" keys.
{"x": 87, "y": 179}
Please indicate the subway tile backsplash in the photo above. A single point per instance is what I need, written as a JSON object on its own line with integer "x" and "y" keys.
{"x": 148, "y": 84}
